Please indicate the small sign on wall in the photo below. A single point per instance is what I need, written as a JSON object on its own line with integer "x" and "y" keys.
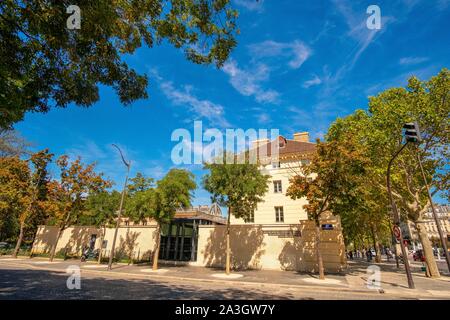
{"x": 327, "y": 227}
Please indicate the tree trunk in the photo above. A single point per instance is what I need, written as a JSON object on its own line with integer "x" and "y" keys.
{"x": 228, "y": 253}
{"x": 19, "y": 241}
{"x": 101, "y": 245}
{"x": 318, "y": 253}
{"x": 53, "y": 252}
{"x": 376, "y": 245}
{"x": 432, "y": 269}
{"x": 157, "y": 245}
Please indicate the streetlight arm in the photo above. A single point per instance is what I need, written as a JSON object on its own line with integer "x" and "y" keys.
{"x": 121, "y": 155}
{"x": 388, "y": 178}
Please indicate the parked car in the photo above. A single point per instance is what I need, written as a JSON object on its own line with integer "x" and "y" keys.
{"x": 418, "y": 255}
{"x": 4, "y": 245}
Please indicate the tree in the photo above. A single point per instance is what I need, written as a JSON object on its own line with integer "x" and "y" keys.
{"x": 140, "y": 202}
{"x": 100, "y": 208}
{"x": 239, "y": 187}
{"x": 68, "y": 196}
{"x": 100, "y": 212}
{"x": 159, "y": 203}
{"x": 173, "y": 191}
{"x": 34, "y": 194}
{"x": 12, "y": 144}
{"x": 325, "y": 181}
{"x": 426, "y": 102}
{"x": 14, "y": 187}
{"x": 379, "y": 132}
{"x": 44, "y": 64}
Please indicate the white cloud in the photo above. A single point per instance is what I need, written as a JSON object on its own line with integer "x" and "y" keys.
{"x": 202, "y": 109}
{"x": 296, "y": 50}
{"x": 412, "y": 60}
{"x": 252, "y": 5}
{"x": 312, "y": 82}
{"x": 248, "y": 82}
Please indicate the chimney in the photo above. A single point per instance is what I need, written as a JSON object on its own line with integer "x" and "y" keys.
{"x": 301, "y": 136}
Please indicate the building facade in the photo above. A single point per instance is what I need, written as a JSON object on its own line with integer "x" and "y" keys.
{"x": 428, "y": 222}
{"x": 293, "y": 155}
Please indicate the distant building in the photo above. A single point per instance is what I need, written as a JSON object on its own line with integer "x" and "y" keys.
{"x": 443, "y": 213}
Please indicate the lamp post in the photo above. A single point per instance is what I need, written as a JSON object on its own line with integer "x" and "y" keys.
{"x": 127, "y": 164}
{"x": 397, "y": 218}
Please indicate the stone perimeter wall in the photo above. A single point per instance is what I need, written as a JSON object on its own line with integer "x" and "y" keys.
{"x": 279, "y": 247}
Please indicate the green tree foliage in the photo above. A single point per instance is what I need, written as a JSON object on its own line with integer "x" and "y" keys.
{"x": 45, "y": 64}
{"x": 174, "y": 191}
{"x": 379, "y": 132}
{"x": 159, "y": 203}
{"x": 101, "y": 208}
{"x": 140, "y": 202}
{"x": 239, "y": 187}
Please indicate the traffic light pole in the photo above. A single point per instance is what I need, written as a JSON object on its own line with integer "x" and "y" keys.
{"x": 397, "y": 218}
{"x": 436, "y": 218}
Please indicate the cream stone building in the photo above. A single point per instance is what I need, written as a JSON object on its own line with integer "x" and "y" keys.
{"x": 277, "y": 208}
{"x": 443, "y": 214}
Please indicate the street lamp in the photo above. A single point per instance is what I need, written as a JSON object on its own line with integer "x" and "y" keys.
{"x": 127, "y": 164}
{"x": 397, "y": 218}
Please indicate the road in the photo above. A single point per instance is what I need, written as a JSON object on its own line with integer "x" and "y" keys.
{"x": 25, "y": 282}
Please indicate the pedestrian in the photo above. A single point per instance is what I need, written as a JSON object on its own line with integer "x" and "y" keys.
{"x": 351, "y": 254}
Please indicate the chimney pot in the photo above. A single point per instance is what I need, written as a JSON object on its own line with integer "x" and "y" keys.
{"x": 301, "y": 136}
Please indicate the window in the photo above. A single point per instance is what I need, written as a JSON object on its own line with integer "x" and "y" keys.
{"x": 277, "y": 186}
{"x": 275, "y": 165}
{"x": 251, "y": 218}
{"x": 279, "y": 215}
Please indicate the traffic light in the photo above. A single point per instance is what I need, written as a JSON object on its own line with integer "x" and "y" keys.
{"x": 412, "y": 132}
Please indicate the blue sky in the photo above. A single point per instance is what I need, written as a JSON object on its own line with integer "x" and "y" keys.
{"x": 298, "y": 65}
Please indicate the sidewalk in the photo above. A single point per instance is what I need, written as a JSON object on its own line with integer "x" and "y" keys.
{"x": 393, "y": 281}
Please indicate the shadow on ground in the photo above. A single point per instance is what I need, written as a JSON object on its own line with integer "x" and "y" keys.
{"x": 48, "y": 285}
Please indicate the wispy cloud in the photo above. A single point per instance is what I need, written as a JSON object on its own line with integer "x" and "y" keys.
{"x": 412, "y": 60}
{"x": 252, "y": 5}
{"x": 249, "y": 82}
{"x": 312, "y": 82}
{"x": 296, "y": 51}
{"x": 199, "y": 109}
{"x": 109, "y": 162}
